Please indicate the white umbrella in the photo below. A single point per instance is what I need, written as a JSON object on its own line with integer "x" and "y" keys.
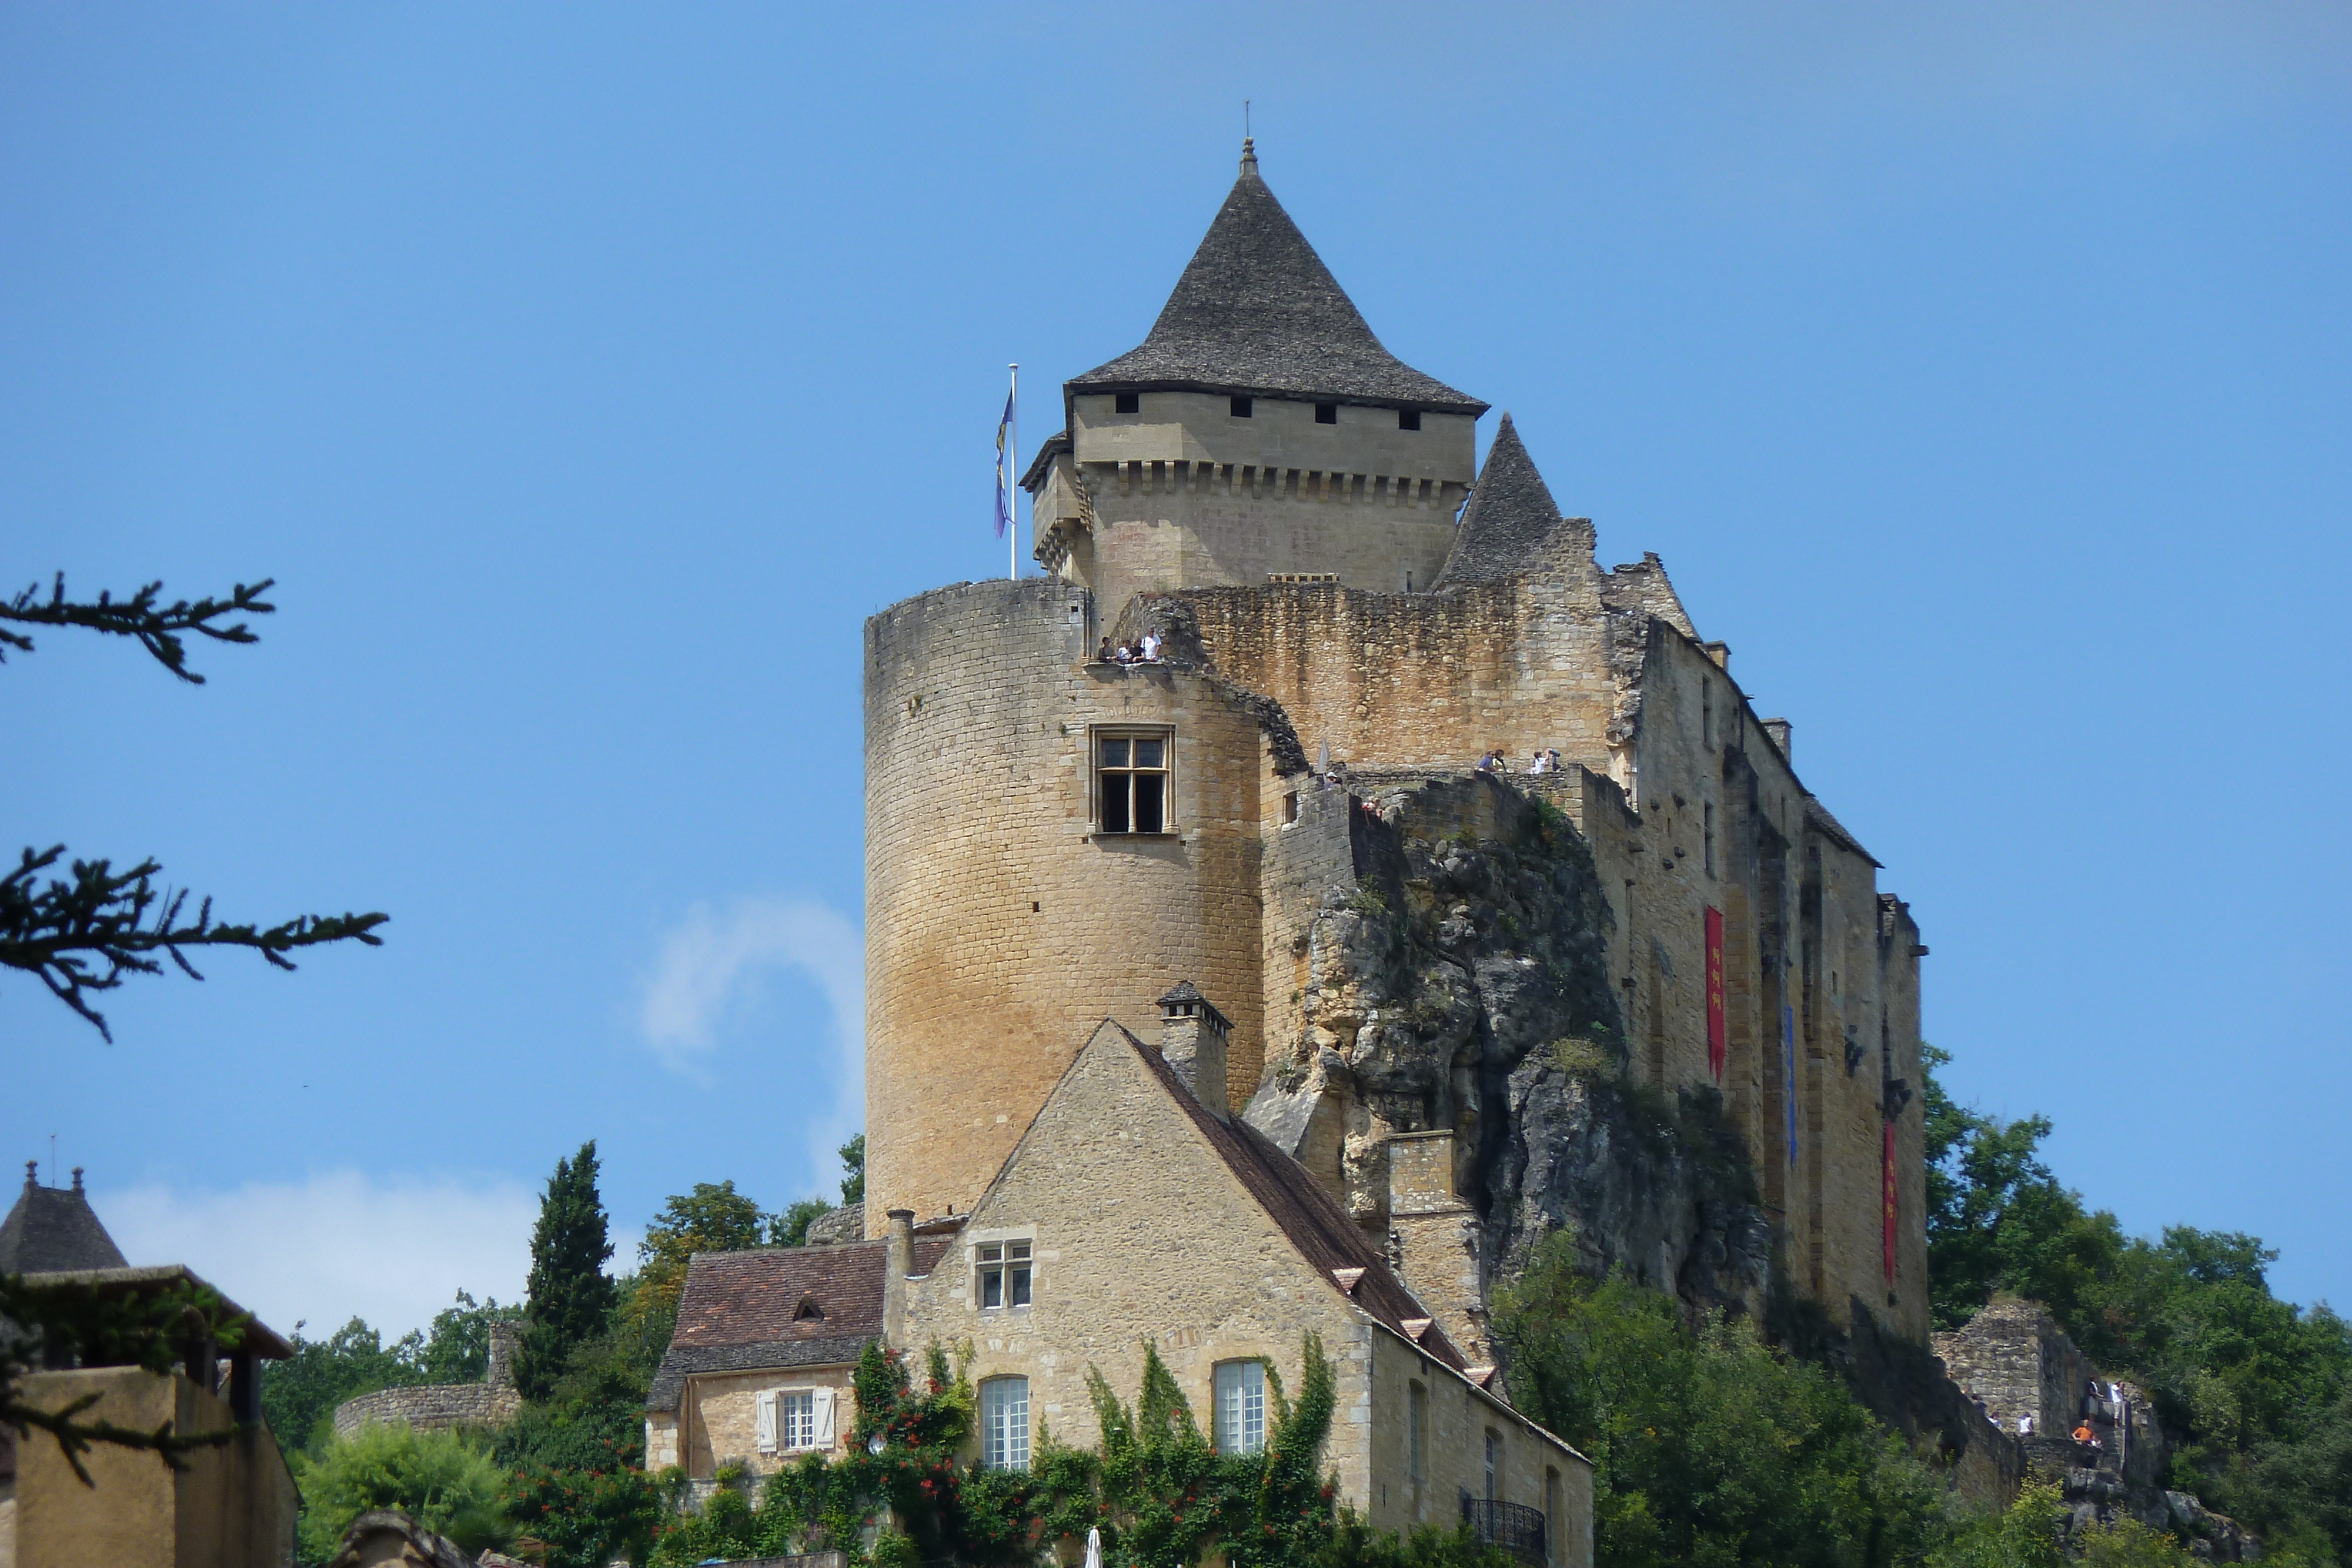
{"x": 1094, "y": 1547}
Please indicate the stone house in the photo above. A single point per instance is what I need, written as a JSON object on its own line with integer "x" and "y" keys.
{"x": 1138, "y": 1207}
{"x": 757, "y": 1373}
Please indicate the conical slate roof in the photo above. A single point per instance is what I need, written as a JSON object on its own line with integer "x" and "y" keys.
{"x": 1257, "y": 311}
{"x": 52, "y": 1229}
{"x": 1510, "y": 514}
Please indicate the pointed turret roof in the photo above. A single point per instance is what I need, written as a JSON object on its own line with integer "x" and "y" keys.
{"x": 1257, "y": 311}
{"x": 52, "y": 1229}
{"x": 1510, "y": 515}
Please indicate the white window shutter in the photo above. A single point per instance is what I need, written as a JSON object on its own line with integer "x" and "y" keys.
{"x": 767, "y": 1423}
{"x": 824, "y": 1418}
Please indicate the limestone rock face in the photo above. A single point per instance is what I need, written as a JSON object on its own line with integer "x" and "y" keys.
{"x": 1456, "y": 980}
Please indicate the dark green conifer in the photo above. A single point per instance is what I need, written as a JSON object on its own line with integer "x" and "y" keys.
{"x": 570, "y": 1300}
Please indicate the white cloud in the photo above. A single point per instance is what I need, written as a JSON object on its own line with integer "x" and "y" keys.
{"x": 340, "y": 1243}
{"x": 711, "y": 963}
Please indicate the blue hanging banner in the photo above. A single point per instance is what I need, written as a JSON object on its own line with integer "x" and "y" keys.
{"x": 1788, "y": 1074}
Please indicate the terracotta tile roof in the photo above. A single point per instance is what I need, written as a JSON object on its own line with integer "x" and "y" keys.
{"x": 1310, "y": 1217}
{"x": 742, "y": 1312}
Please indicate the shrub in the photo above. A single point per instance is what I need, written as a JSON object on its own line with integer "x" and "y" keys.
{"x": 438, "y": 1479}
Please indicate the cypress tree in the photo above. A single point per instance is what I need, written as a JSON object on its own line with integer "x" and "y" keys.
{"x": 570, "y": 1300}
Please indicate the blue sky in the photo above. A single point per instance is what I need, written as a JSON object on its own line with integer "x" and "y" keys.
{"x": 585, "y": 375}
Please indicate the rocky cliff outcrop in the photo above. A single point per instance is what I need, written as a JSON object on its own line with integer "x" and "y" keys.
{"x": 1455, "y": 980}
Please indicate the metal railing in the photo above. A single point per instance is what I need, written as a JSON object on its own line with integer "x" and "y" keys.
{"x": 1515, "y": 1527}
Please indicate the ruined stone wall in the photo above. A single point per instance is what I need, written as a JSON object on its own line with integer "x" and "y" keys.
{"x": 1415, "y": 680}
{"x": 431, "y": 1409}
{"x": 1001, "y": 928}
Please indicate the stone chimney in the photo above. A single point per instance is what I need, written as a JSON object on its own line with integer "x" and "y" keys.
{"x": 1778, "y": 728}
{"x": 1192, "y": 1038}
{"x": 504, "y": 1336}
{"x": 1433, "y": 1240}
{"x": 897, "y": 1264}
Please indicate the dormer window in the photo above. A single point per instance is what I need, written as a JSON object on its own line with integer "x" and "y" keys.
{"x": 1241, "y": 407}
{"x": 1408, "y": 419}
{"x": 1326, "y": 414}
{"x": 1126, "y": 402}
{"x": 808, "y": 1311}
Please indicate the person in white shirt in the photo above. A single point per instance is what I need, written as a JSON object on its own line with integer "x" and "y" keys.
{"x": 1151, "y": 647}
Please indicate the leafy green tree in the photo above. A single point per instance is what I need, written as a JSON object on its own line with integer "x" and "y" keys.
{"x": 441, "y": 1480}
{"x": 570, "y": 1301}
{"x": 298, "y": 1396}
{"x": 853, "y": 1170}
{"x": 790, "y": 1229}
{"x": 1997, "y": 1219}
{"x": 2248, "y": 1387}
{"x": 709, "y": 1218}
{"x": 457, "y": 1347}
{"x": 1707, "y": 1447}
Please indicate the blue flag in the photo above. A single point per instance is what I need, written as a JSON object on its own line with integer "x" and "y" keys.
{"x": 1004, "y": 469}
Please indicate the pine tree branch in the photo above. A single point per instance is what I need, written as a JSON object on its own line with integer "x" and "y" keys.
{"x": 75, "y": 1438}
{"x": 76, "y": 1324}
{"x": 157, "y": 628}
{"x": 85, "y": 934}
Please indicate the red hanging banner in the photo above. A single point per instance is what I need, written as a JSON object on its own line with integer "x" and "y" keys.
{"x": 1714, "y": 1049}
{"x": 1886, "y": 1183}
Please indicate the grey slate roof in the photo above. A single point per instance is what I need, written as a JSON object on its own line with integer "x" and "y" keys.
{"x": 1510, "y": 515}
{"x": 52, "y": 1229}
{"x": 1257, "y": 311}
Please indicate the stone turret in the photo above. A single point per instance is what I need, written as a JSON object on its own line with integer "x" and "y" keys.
{"x": 1261, "y": 432}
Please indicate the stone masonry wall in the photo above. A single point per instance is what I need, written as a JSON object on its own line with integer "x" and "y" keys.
{"x": 1001, "y": 928}
{"x": 1184, "y": 494}
{"x": 432, "y": 1408}
{"x": 1141, "y": 1233}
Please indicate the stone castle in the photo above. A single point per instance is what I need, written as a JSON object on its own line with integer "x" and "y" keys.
{"x": 1463, "y": 897}
{"x": 1286, "y": 812}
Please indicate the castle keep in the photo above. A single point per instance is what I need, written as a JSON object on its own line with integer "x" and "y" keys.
{"x": 1268, "y": 488}
{"x": 1403, "y": 1004}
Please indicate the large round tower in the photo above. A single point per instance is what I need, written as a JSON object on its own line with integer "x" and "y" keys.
{"x": 1049, "y": 842}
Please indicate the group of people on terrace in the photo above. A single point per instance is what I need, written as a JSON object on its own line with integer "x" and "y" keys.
{"x": 1544, "y": 760}
{"x": 1145, "y": 651}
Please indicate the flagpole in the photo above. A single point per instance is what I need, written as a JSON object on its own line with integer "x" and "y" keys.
{"x": 1012, "y": 468}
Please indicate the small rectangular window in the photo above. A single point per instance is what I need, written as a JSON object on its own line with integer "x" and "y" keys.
{"x": 1241, "y": 1406}
{"x": 1126, "y": 402}
{"x": 1240, "y": 407}
{"x": 1326, "y": 414}
{"x": 1493, "y": 1466}
{"x": 800, "y": 1419}
{"x": 1004, "y": 1423}
{"x": 1408, "y": 419}
{"x": 1289, "y": 808}
{"x": 1131, "y": 783}
{"x": 1004, "y": 1273}
{"x": 1710, "y": 838}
